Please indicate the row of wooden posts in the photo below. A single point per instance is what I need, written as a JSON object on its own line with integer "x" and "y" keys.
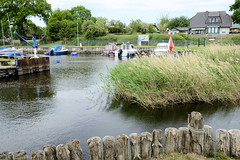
{"x": 196, "y": 138}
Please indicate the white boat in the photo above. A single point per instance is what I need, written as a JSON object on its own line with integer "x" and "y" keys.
{"x": 126, "y": 50}
{"x": 161, "y": 49}
{"x": 5, "y": 50}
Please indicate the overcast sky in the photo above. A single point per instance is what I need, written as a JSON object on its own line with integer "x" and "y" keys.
{"x": 149, "y": 11}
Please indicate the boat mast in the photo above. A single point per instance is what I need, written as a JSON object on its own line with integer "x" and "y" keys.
{"x": 3, "y": 34}
{"x": 10, "y": 30}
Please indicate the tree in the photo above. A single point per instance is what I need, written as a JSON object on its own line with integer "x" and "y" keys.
{"x": 93, "y": 31}
{"x": 236, "y": 11}
{"x": 116, "y": 26}
{"x": 136, "y": 25}
{"x": 102, "y": 22}
{"x": 151, "y": 28}
{"x": 178, "y": 22}
{"x": 163, "y": 23}
{"x": 144, "y": 28}
{"x": 20, "y": 11}
{"x": 56, "y": 21}
{"x": 66, "y": 31}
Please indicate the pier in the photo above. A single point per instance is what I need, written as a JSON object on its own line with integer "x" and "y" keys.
{"x": 24, "y": 66}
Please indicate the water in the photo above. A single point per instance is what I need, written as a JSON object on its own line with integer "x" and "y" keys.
{"x": 69, "y": 103}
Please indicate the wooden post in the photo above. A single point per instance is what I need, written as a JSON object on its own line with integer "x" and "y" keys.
{"x": 156, "y": 143}
{"x": 6, "y": 156}
{"x": 21, "y": 155}
{"x": 235, "y": 142}
{"x": 38, "y": 155}
{"x": 145, "y": 145}
{"x": 134, "y": 145}
{"x": 208, "y": 141}
{"x": 50, "y": 152}
{"x": 223, "y": 142}
{"x": 62, "y": 152}
{"x": 75, "y": 149}
{"x": 170, "y": 140}
{"x": 195, "y": 125}
{"x": 94, "y": 146}
{"x": 122, "y": 147}
{"x": 108, "y": 148}
{"x": 183, "y": 140}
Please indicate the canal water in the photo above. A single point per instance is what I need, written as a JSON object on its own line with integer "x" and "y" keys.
{"x": 69, "y": 103}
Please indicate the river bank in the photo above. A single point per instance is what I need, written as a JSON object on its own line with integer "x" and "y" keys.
{"x": 210, "y": 75}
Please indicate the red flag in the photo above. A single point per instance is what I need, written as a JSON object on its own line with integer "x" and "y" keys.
{"x": 170, "y": 44}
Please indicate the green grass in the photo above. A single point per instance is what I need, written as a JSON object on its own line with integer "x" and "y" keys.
{"x": 209, "y": 75}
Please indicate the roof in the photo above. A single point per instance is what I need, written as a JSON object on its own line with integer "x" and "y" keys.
{"x": 235, "y": 25}
{"x": 181, "y": 29}
{"x": 200, "y": 20}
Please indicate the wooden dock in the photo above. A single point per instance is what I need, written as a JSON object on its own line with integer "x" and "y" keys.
{"x": 24, "y": 66}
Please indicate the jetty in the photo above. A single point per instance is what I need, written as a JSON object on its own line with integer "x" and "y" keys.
{"x": 23, "y": 66}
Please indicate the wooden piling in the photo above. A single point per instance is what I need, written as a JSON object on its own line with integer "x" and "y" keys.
{"x": 109, "y": 148}
{"x": 183, "y": 140}
{"x": 50, "y": 152}
{"x": 134, "y": 145}
{"x": 62, "y": 152}
{"x": 208, "y": 141}
{"x": 195, "y": 125}
{"x": 6, "y": 156}
{"x": 223, "y": 142}
{"x": 145, "y": 145}
{"x": 75, "y": 149}
{"x": 21, "y": 155}
{"x": 38, "y": 155}
{"x": 234, "y": 142}
{"x": 156, "y": 143}
{"x": 122, "y": 147}
{"x": 94, "y": 146}
{"x": 170, "y": 140}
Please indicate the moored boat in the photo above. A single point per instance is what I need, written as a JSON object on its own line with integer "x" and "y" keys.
{"x": 57, "y": 51}
{"x": 126, "y": 50}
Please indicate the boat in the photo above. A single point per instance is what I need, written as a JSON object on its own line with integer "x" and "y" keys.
{"x": 13, "y": 54}
{"x": 4, "y": 50}
{"x": 126, "y": 50}
{"x": 57, "y": 51}
{"x": 161, "y": 49}
{"x": 110, "y": 49}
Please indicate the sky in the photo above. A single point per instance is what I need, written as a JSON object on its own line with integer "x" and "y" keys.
{"x": 149, "y": 11}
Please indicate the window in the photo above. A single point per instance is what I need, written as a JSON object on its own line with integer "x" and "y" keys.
{"x": 214, "y": 20}
{"x": 213, "y": 30}
{"x": 199, "y": 32}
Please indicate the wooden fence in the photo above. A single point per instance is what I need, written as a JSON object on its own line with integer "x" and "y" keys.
{"x": 196, "y": 138}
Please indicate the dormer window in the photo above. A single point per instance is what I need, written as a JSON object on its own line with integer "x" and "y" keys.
{"x": 214, "y": 19}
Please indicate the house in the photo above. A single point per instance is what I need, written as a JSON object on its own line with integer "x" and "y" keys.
{"x": 235, "y": 28}
{"x": 178, "y": 30}
{"x": 210, "y": 23}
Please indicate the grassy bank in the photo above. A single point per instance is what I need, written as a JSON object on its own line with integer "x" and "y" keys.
{"x": 209, "y": 75}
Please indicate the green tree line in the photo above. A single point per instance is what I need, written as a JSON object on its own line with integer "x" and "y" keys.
{"x": 66, "y": 24}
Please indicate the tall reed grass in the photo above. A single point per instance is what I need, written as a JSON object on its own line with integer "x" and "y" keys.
{"x": 209, "y": 75}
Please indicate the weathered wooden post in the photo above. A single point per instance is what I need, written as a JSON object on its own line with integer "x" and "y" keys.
{"x": 50, "y": 152}
{"x": 38, "y": 155}
{"x": 208, "y": 141}
{"x": 183, "y": 140}
{"x": 62, "y": 152}
{"x": 75, "y": 149}
{"x": 145, "y": 145}
{"x": 21, "y": 155}
{"x": 156, "y": 143}
{"x": 94, "y": 146}
{"x": 195, "y": 125}
{"x": 6, "y": 156}
{"x": 223, "y": 142}
{"x": 122, "y": 147}
{"x": 108, "y": 148}
{"x": 134, "y": 145}
{"x": 170, "y": 140}
{"x": 234, "y": 142}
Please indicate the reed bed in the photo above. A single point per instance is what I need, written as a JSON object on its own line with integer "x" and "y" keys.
{"x": 209, "y": 75}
